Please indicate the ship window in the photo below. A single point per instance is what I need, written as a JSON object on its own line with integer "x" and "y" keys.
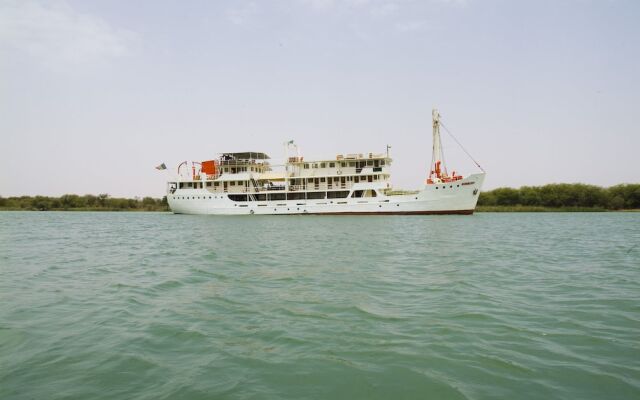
{"x": 332, "y": 165}
{"x": 381, "y": 162}
{"x": 352, "y": 164}
{"x": 357, "y": 179}
{"x": 369, "y": 162}
{"x": 316, "y": 195}
{"x": 315, "y": 165}
{"x": 338, "y": 194}
{"x": 322, "y": 180}
{"x": 208, "y": 184}
{"x": 323, "y": 165}
{"x": 238, "y": 197}
{"x": 343, "y": 164}
{"x": 306, "y": 166}
{"x": 216, "y": 184}
{"x": 276, "y": 196}
{"x": 336, "y": 179}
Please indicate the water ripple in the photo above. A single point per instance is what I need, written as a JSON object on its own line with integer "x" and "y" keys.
{"x": 157, "y": 306}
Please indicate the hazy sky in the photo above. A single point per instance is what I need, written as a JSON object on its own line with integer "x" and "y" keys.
{"x": 94, "y": 94}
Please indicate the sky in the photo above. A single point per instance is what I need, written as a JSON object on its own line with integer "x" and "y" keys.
{"x": 95, "y": 94}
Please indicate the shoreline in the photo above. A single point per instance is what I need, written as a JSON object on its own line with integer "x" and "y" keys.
{"x": 479, "y": 209}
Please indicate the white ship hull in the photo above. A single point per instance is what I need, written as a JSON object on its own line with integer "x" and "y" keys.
{"x": 459, "y": 197}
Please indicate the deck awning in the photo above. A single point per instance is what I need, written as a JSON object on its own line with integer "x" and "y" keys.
{"x": 243, "y": 176}
{"x": 246, "y": 155}
{"x": 271, "y": 176}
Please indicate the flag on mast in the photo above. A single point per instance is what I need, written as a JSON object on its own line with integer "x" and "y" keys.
{"x": 161, "y": 167}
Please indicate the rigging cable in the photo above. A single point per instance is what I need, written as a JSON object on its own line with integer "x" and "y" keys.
{"x": 461, "y": 146}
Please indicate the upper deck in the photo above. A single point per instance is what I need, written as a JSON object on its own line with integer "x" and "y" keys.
{"x": 251, "y": 172}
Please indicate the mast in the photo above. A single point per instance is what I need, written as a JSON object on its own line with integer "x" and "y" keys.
{"x": 438, "y": 168}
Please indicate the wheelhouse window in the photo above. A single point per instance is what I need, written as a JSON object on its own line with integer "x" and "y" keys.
{"x": 332, "y": 165}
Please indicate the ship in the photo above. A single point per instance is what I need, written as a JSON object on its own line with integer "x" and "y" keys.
{"x": 248, "y": 183}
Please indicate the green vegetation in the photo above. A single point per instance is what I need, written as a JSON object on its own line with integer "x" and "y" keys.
{"x": 554, "y": 197}
{"x": 73, "y": 202}
{"x": 561, "y": 197}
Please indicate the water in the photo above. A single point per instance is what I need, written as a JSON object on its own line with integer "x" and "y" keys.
{"x": 159, "y": 306}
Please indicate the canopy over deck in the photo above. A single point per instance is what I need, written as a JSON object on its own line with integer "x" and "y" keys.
{"x": 245, "y": 155}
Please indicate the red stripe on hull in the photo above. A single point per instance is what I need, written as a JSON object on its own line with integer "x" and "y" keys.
{"x": 448, "y": 212}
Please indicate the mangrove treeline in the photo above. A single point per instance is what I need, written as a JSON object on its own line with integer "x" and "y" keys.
{"x": 564, "y": 195}
{"x": 73, "y": 202}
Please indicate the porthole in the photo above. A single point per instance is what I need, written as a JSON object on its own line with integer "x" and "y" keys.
{"x": 457, "y": 185}
{"x": 451, "y": 186}
{"x": 436, "y": 188}
{"x": 398, "y": 205}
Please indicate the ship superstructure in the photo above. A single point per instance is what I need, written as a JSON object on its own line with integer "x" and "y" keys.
{"x": 247, "y": 183}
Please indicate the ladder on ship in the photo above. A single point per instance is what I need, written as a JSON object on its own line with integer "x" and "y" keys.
{"x": 257, "y": 189}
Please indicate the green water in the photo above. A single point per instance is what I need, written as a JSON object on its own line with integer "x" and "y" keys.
{"x": 161, "y": 306}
